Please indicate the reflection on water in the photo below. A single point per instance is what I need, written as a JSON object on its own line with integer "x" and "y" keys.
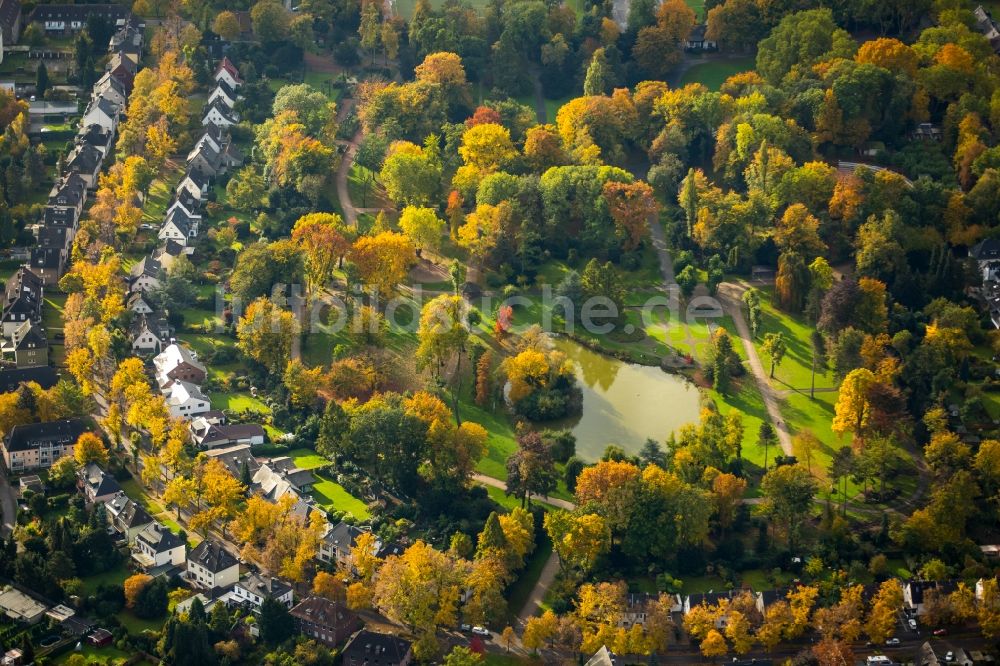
{"x": 624, "y": 403}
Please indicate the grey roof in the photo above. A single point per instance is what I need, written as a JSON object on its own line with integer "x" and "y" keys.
{"x": 325, "y": 613}
{"x": 234, "y": 457}
{"x": 85, "y": 158}
{"x": 159, "y": 538}
{"x": 60, "y": 216}
{"x": 10, "y": 10}
{"x": 369, "y": 647}
{"x": 212, "y": 556}
{"x": 57, "y": 237}
{"x": 28, "y": 436}
{"x": 233, "y": 433}
{"x": 602, "y": 657}
{"x": 264, "y": 586}
{"x": 104, "y": 105}
{"x": 70, "y": 190}
{"x": 342, "y": 536}
{"x": 43, "y": 375}
{"x": 23, "y": 294}
{"x": 146, "y": 266}
{"x": 128, "y": 511}
{"x": 30, "y": 335}
{"x": 47, "y": 258}
{"x": 224, "y": 110}
{"x": 986, "y": 250}
{"x": 81, "y": 12}
{"x": 227, "y": 89}
{"x": 100, "y": 482}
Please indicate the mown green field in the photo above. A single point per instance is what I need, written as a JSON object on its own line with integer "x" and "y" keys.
{"x": 714, "y": 74}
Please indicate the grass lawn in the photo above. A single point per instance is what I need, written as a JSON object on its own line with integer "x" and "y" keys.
{"x": 517, "y": 594}
{"x": 307, "y": 459}
{"x": 334, "y": 497}
{"x": 698, "y": 6}
{"x": 136, "y": 625}
{"x": 364, "y": 191}
{"x": 52, "y": 311}
{"x": 238, "y": 402}
{"x": 714, "y": 74}
{"x": 137, "y": 494}
{"x": 795, "y": 369}
{"x": 404, "y": 8}
{"x": 116, "y": 576}
{"x": 94, "y": 655}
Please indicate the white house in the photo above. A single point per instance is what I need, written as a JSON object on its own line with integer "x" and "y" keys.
{"x": 210, "y": 566}
{"x": 156, "y": 546}
{"x": 252, "y": 590}
{"x": 186, "y": 400}
{"x": 195, "y": 182}
{"x": 148, "y": 335}
{"x": 145, "y": 275}
{"x": 126, "y": 517}
{"x": 227, "y": 72}
{"x": 102, "y": 111}
{"x": 170, "y": 252}
{"x": 217, "y": 113}
{"x": 224, "y": 93}
{"x": 138, "y": 304}
{"x": 178, "y": 227}
{"x": 111, "y": 89}
{"x": 178, "y": 363}
{"x": 186, "y": 204}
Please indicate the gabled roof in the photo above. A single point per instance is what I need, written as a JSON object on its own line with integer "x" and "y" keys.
{"x": 173, "y": 356}
{"x": 104, "y": 105}
{"x": 230, "y": 433}
{"x": 212, "y": 556}
{"x": 146, "y": 266}
{"x": 108, "y": 82}
{"x": 264, "y": 586}
{"x": 59, "y": 216}
{"x": 98, "y": 481}
{"x": 198, "y": 177}
{"x": 180, "y": 392}
{"x": 10, "y": 10}
{"x": 70, "y": 189}
{"x": 342, "y": 536}
{"x": 95, "y": 135}
{"x": 24, "y": 437}
{"x": 234, "y": 457}
{"x": 127, "y": 511}
{"x": 159, "y": 538}
{"x": 227, "y": 65}
{"x": 987, "y": 249}
{"x": 84, "y": 159}
{"x": 135, "y": 297}
{"x": 119, "y": 62}
{"x": 602, "y": 657}
{"x": 226, "y": 89}
{"x": 185, "y": 199}
{"x": 170, "y": 248}
{"x": 223, "y": 110}
{"x": 11, "y": 378}
{"x": 56, "y": 237}
{"x": 325, "y": 613}
{"x": 370, "y": 647}
{"x": 47, "y": 258}
{"x": 23, "y": 290}
{"x": 29, "y": 335}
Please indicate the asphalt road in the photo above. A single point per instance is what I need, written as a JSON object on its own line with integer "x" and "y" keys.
{"x": 8, "y": 504}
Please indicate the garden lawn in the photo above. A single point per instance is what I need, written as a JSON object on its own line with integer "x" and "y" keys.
{"x": 238, "y": 402}
{"x": 307, "y": 459}
{"x": 137, "y": 494}
{"x": 698, "y": 7}
{"x": 334, "y": 497}
{"x": 115, "y": 576}
{"x": 795, "y": 369}
{"x": 136, "y": 625}
{"x": 518, "y": 593}
{"x": 713, "y": 74}
{"x": 52, "y": 311}
{"x": 95, "y": 655}
{"x": 364, "y": 191}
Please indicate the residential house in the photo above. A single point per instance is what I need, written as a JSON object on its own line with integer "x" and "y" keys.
{"x": 49, "y": 263}
{"x": 217, "y": 113}
{"x": 178, "y": 363}
{"x": 97, "y": 485}
{"x": 126, "y": 516}
{"x": 186, "y": 202}
{"x": 69, "y": 191}
{"x": 205, "y": 158}
{"x": 129, "y": 34}
{"x": 328, "y": 622}
{"x": 22, "y": 301}
{"x": 637, "y": 607}
{"x": 111, "y": 89}
{"x": 227, "y": 72}
{"x": 336, "y": 543}
{"x": 251, "y": 591}
{"x": 157, "y": 549}
{"x": 61, "y": 216}
{"x": 214, "y": 137}
{"x": 211, "y": 566}
{"x": 139, "y": 303}
{"x": 185, "y": 399}
{"x": 21, "y": 607}
{"x": 148, "y": 335}
{"x": 145, "y": 275}
{"x": 209, "y": 436}
{"x": 103, "y": 112}
{"x": 274, "y": 482}
{"x": 96, "y": 136}
{"x": 55, "y": 237}
{"x": 71, "y": 19}
{"x": 986, "y": 254}
{"x": 987, "y": 26}
{"x": 179, "y": 227}
{"x": 170, "y": 251}
{"x": 10, "y": 22}
{"x": 195, "y": 182}
{"x": 38, "y": 445}
{"x": 123, "y": 67}
{"x": 697, "y": 41}
{"x": 368, "y": 648}
{"x": 224, "y": 93}
{"x": 236, "y": 458}
{"x": 12, "y": 378}
{"x": 85, "y": 161}
{"x": 29, "y": 346}
{"x": 603, "y": 657}
{"x": 30, "y": 483}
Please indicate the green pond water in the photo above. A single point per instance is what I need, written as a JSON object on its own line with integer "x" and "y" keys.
{"x": 625, "y": 403}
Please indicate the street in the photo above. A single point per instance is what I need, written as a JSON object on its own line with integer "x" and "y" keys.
{"x": 8, "y": 504}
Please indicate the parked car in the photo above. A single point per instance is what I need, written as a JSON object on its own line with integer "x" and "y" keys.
{"x": 912, "y": 623}
{"x": 466, "y": 627}
{"x": 940, "y": 632}
{"x": 892, "y": 641}
{"x": 480, "y": 631}
{"x": 950, "y": 656}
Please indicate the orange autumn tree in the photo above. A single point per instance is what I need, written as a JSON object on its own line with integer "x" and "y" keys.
{"x": 632, "y": 206}
{"x": 383, "y": 260}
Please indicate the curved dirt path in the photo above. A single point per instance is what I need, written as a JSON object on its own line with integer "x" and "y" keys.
{"x": 344, "y": 170}
{"x": 731, "y": 295}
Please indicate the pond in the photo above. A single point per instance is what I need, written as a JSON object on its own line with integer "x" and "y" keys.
{"x": 625, "y": 403}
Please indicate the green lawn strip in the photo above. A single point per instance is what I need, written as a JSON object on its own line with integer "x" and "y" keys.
{"x": 307, "y": 459}
{"x": 8, "y": 267}
{"x": 702, "y": 584}
{"x": 97, "y": 655}
{"x": 52, "y": 311}
{"x": 796, "y": 368}
{"x": 520, "y": 590}
{"x": 137, "y": 494}
{"x": 158, "y": 198}
{"x": 137, "y": 625}
{"x": 500, "y": 443}
{"x": 713, "y": 74}
{"x": 334, "y": 497}
{"x": 238, "y": 402}
{"x": 115, "y": 576}
{"x": 363, "y": 190}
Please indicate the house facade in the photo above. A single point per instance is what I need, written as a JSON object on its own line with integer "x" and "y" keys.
{"x": 210, "y": 566}
{"x": 38, "y": 445}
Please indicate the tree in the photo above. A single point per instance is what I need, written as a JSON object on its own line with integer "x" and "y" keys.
{"x": 853, "y": 409}
{"x": 442, "y": 332}
{"x": 422, "y": 226}
{"x": 598, "y": 79}
{"x": 275, "y": 622}
{"x": 531, "y": 468}
{"x": 462, "y": 656}
{"x": 383, "y": 260}
{"x": 226, "y": 25}
{"x": 774, "y": 348}
{"x": 658, "y": 47}
{"x": 270, "y": 20}
{"x": 714, "y": 645}
{"x": 882, "y": 617}
{"x": 323, "y": 239}
{"x": 788, "y": 492}
{"x": 134, "y": 585}
{"x": 632, "y": 206}
{"x": 41, "y": 80}
{"x": 90, "y": 449}
{"x": 799, "y": 41}
{"x": 266, "y": 334}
